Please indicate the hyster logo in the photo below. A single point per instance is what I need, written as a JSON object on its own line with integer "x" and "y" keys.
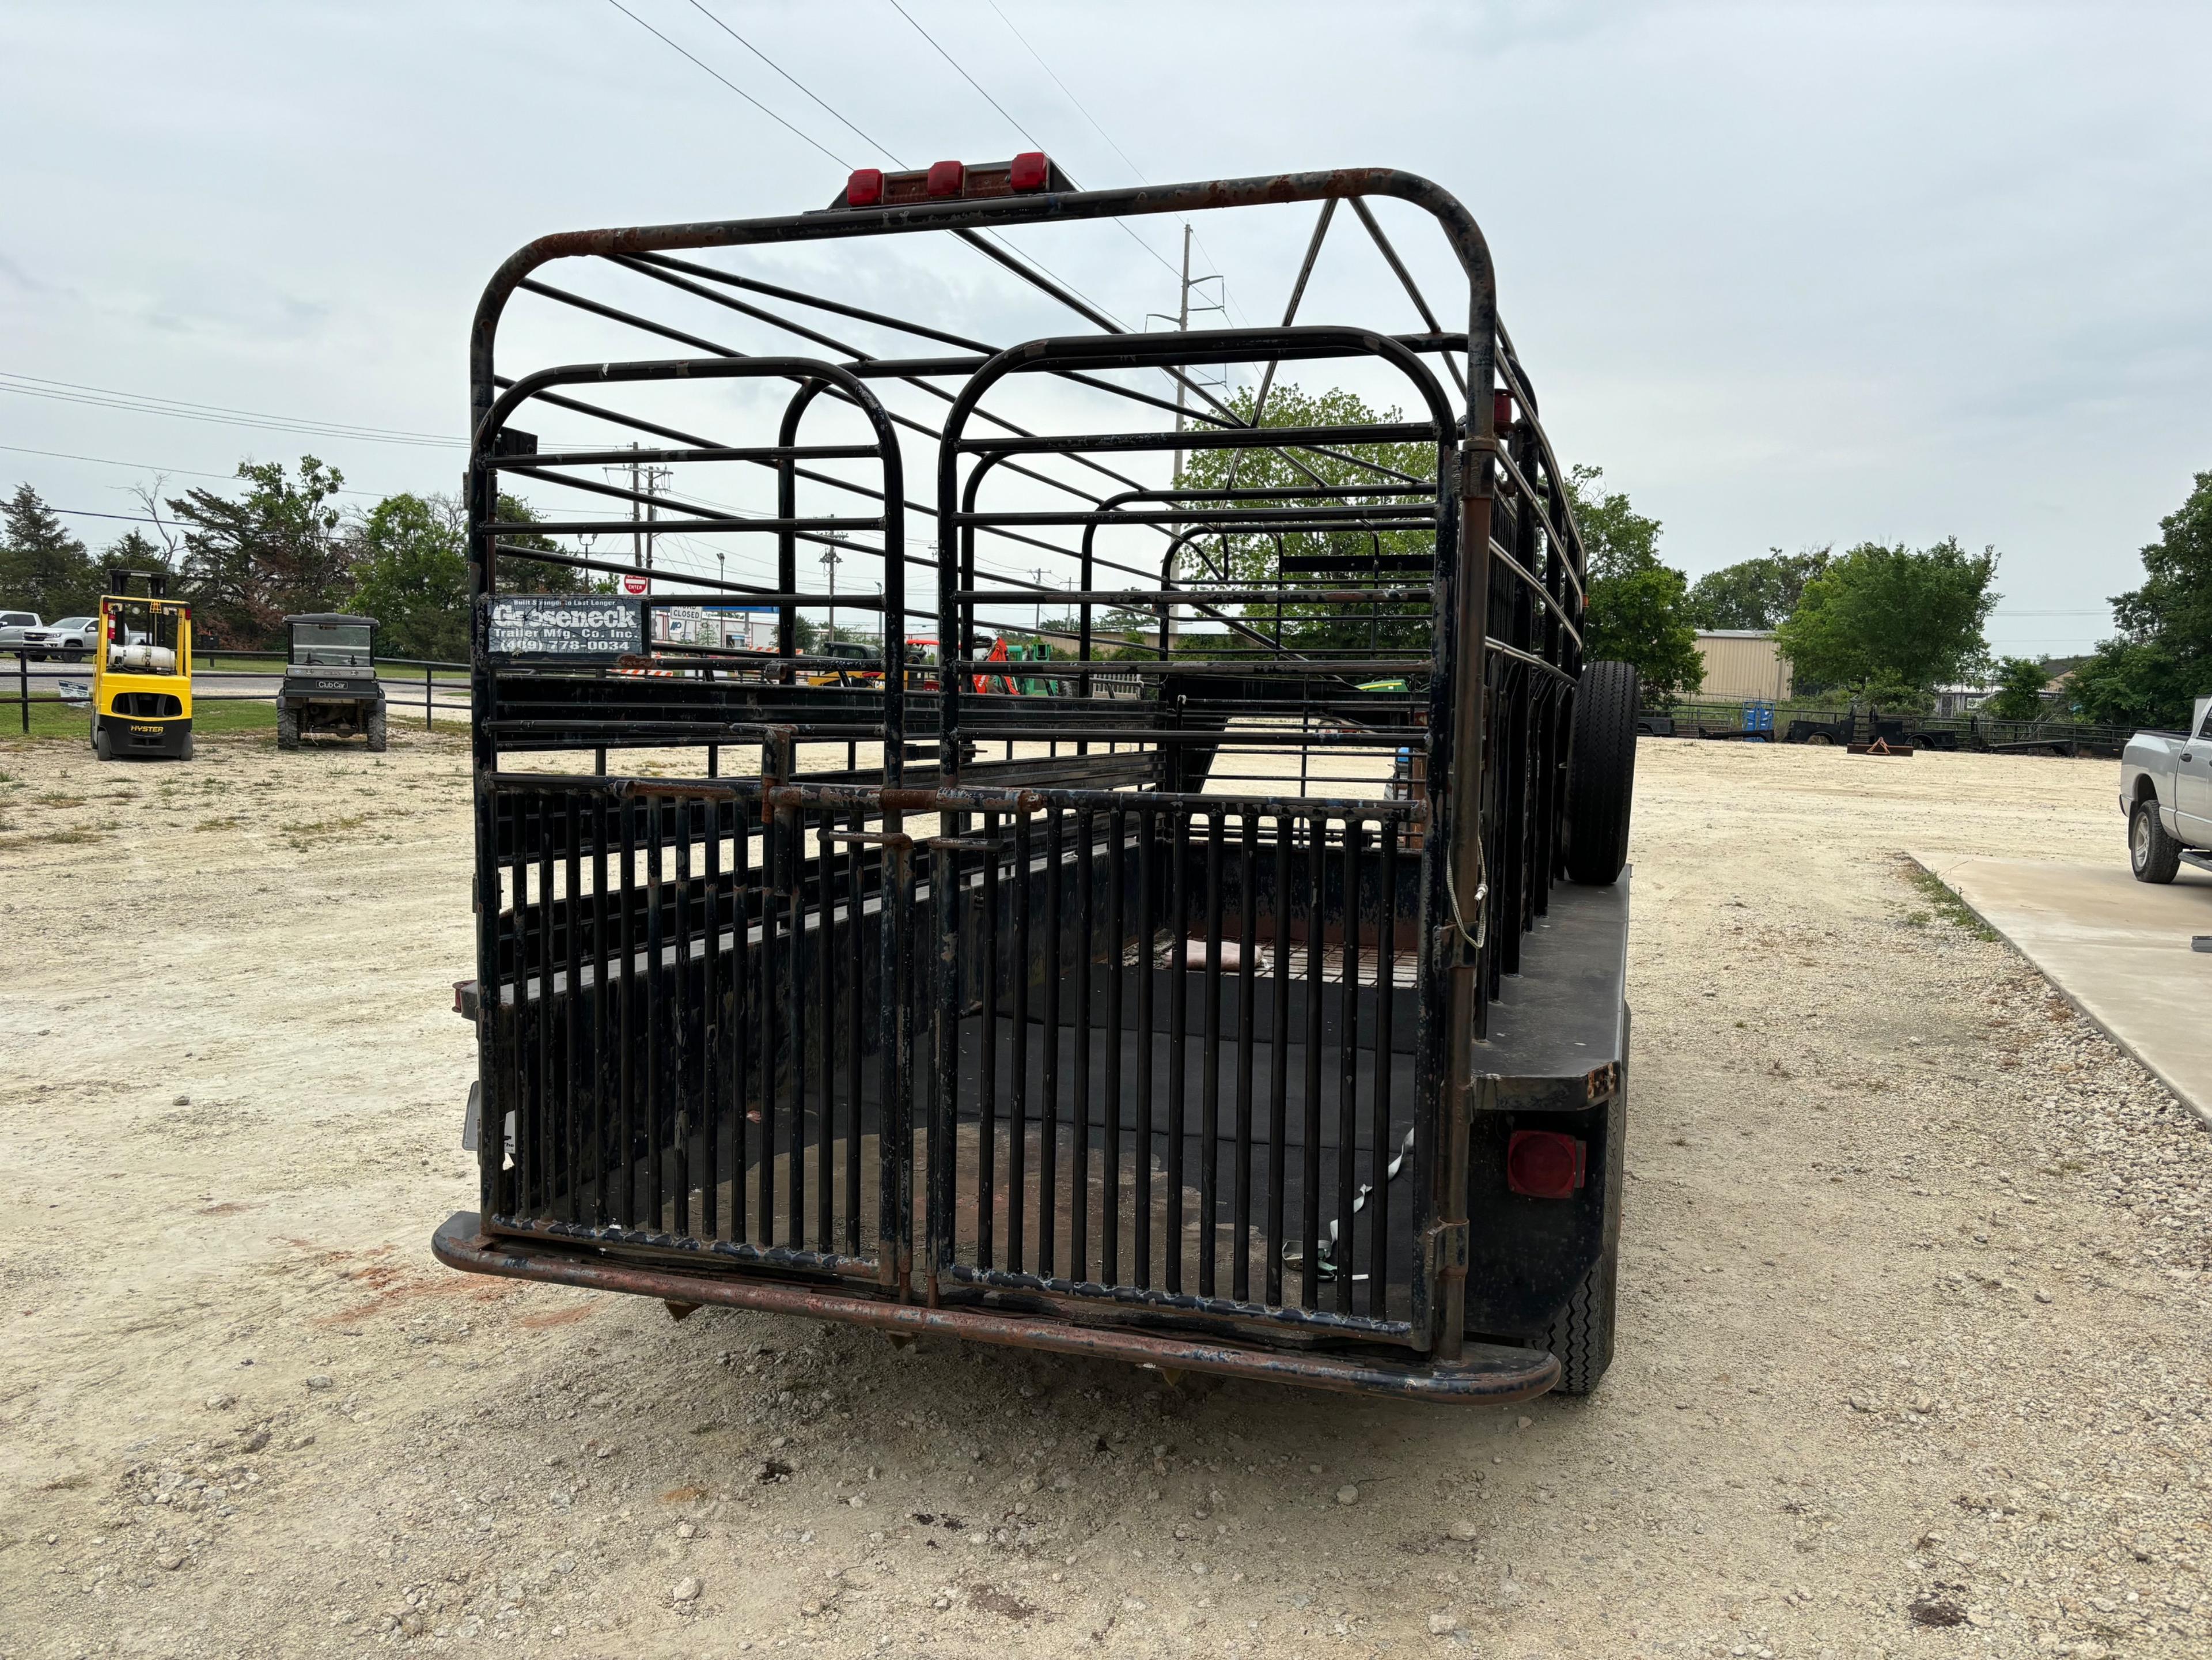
{"x": 135, "y": 726}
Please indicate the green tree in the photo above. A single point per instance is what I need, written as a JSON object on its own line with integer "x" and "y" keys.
{"x": 1617, "y": 540}
{"x": 2149, "y": 675}
{"x": 1639, "y": 609}
{"x": 1754, "y": 593}
{"x": 1891, "y": 625}
{"x": 1640, "y": 618}
{"x": 412, "y": 574}
{"x": 43, "y": 568}
{"x": 2020, "y": 681}
{"x": 1255, "y": 557}
{"x": 276, "y": 549}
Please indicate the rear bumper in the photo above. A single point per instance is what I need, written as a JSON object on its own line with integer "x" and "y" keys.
{"x": 163, "y": 736}
{"x": 1485, "y": 1375}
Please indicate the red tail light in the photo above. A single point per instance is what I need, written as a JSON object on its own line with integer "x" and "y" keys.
{"x": 947, "y": 177}
{"x": 1501, "y": 410}
{"x": 1543, "y": 1164}
{"x": 1028, "y": 171}
{"x": 865, "y": 189}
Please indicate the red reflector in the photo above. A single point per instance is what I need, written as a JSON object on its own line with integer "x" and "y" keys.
{"x": 865, "y": 188}
{"x": 1543, "y": 1164}
{"x": 1501, "y": 409}
{"x": 1028, "y": 171}
{"x": 947, "y": 178}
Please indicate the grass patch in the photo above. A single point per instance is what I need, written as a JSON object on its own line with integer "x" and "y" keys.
{"x": 60, "y": 838}
{"x": 1943, "y": 905}
{"x": 52, "y": 718}
{"x": 219, "y": 824}
{"x": 61, "y": 801}
{"x": 324, "y": 829}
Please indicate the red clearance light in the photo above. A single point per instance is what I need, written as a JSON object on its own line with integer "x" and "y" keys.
{"x": 947, "y": 179}
{"x": 1543, "y": 1164}
{"x": 1028, "y": 171}
{"x": 865, "y": 189}
{"x": 1501, "y": 410}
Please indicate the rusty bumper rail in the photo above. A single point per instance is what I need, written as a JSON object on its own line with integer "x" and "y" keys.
{"x": 1485, "y": 1375}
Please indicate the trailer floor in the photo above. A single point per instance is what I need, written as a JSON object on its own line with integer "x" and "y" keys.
{"x": 245, "y": 1413}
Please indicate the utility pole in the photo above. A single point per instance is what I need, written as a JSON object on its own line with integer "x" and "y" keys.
{"x": 829, "y": 563}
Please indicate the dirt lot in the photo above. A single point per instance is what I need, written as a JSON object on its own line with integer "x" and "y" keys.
{"x": 1914, "y": 1357}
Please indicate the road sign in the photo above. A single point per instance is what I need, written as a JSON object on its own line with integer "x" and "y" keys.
{"x": 636, "y": 582}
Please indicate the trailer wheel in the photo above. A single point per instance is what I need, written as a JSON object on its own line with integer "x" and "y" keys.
{"x": 288, "y": 729}
{"x": 1582, "y": 1337}
{"x": 1602, "y": 773}
{"x": 373, "y": 725}
{"x": 2153, "y": 855}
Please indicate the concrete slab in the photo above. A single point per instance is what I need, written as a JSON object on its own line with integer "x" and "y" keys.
{"x": 2119, "y": 950}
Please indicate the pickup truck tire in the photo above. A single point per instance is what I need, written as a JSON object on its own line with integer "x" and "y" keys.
{"x": 1602, "y": 773}
{"x": 2153, "y": 855}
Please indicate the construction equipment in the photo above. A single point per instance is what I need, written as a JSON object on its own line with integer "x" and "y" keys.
{"x": 142, "y": 671}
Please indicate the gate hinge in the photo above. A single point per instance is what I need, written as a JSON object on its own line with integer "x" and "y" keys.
{"x": 1473, "y": 480}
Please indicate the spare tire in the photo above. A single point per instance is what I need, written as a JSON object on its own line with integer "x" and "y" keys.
{"x": 1602, "y": 773}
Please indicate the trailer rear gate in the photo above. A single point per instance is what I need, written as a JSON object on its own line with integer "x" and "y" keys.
{"x": 1038, "y": 1017}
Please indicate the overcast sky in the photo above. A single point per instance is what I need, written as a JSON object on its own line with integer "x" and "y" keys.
{"x": 1791, "y": 274}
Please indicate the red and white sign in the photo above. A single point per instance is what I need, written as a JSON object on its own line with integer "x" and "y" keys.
{"x": 636, "y": 581}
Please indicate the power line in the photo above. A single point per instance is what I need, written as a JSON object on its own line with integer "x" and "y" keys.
{"x": 963, "y": 74}
{"x": 834, "y": 156}
{"x": 736, "y": 88}
{"x": 148, "y": 466}
{"x": 833, "y": 114}
{"x": 66, "y": 391}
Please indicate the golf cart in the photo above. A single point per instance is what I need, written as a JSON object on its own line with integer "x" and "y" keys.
{"x": 329, "y": 680}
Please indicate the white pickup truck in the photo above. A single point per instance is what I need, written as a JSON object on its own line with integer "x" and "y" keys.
{"x": 2166, "y": 790}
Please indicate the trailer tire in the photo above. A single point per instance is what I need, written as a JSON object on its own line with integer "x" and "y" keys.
{"x": 288, "y": 729}
{"x": 2153, "y": 855}
{"x": 1602, "y": 773}
{"x": 374, "y": 727}
{"x": 1581, "y": 1338}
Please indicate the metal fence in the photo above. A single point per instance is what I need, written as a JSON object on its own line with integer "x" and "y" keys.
{"x": 402, "y": 694}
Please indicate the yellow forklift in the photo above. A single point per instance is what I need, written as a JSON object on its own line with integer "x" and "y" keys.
{"x": 142, "y": 671}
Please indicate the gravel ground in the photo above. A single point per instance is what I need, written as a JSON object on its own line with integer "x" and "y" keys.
{"x": 1913, "y": 1359}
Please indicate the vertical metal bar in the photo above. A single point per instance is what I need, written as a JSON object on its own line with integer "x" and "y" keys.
{"x": 656, "y": 1022}
{"x": 1048, "y": 1129}
{"x": 1079, "y": 1240}
{"x": 770, "y": 996}
{"x": 1240, "y": 1277}
{"x": 1147, "y": 865}
{"x": 1309, "y": 1165}
{"x": 571, "y": 1008}
{"x": 712, "y": 1026}
{"x": 825, "y": 1009}
{"x": 1279, "y": 1063}
{"x": 792, "y": 871}
{"x": 1017, "y": 1121}
{"x": 1117, "y": 832}
{"x": 602, "y": 999}
{"x": 1386, "y": 980}
{"x": 626, "y": 1200}
{"x": 1209, "y": 1109}
{"x": 1178, "y": 1035}
{"x": 895, "y": 1150}
{"x": 986, "y": 1057}
{"x": 855, "y": 998}
{"x": 944, "y": 982}
{"x": 426, "y": 697}
{"x": 684, "y": 984}
{"x": 742, "y": 1029}
{"x": 538, "y": 1194}
{"x": 1348, "y": 1079}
